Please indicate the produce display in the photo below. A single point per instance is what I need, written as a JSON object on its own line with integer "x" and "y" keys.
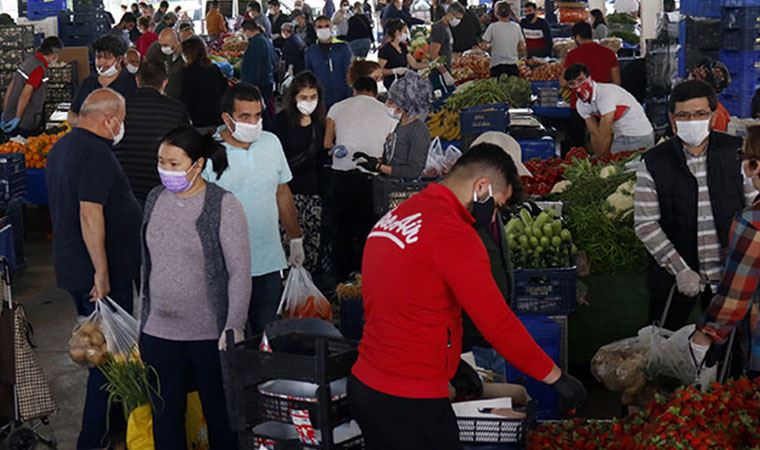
{"x": 419, "y": 45}
{"x": 36, "y": 148}
{"x": 471, "y": 67}
{"x": 571, "y": 15}
{"x": 87, "y": 345}
{"x": 444, "y": 124}
{"x": 535, "y": 70}
{"x": 628, "y": 37}
{"x": 350, "y": 290}
{"x": 562, "y": 47}
{"x": 726, "y": 416}
{"x": 539, "y": 242}
{"x": 547, "y": 173}
{"x": 612, "y": 43}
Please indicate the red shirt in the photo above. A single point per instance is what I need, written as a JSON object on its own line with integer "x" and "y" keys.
{"x": 599, "y": 59}
{"x": 37, "y": 76}
{"x": 722, "y": 117}
{"x": 144, "y": 41}
{"x": 424, "y": 263}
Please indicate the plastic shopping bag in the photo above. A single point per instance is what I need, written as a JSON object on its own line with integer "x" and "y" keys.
{"x": 440, "y": 161}
{"x": 670, "y": 356}
{"x": 108, "y": 332}
{"x": 140, "y": 426}
{"x": 302, "y": 299}
{"x": 621, "y": 366}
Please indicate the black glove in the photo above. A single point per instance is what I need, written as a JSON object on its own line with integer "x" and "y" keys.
{"x": 715, "y": 354}
{"x": 370, "y": 163}
{"x": 466, "y": 382}
{"x": 570, "y": 390}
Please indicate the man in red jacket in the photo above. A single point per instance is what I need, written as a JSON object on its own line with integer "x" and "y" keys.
{"x": 423, "y": 264}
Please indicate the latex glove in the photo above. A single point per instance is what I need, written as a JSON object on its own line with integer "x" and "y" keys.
{"x": 466, "y": 382}
{"x": 398, "y": 71}
{"x": 570, "y": 391}
{"x": 370, "y": 163}
{"x": 239, "y": 336}
{"x": 689, "y": 283}
{"x": 11, "y": 125}
{"x": 297, "y": 255}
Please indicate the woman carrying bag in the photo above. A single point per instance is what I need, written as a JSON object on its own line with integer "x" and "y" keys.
{"x": 196, "y": 285}
{"x": 300, "y": 126}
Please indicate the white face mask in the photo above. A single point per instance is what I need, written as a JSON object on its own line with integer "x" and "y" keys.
{"x": 693, "y": 132}
{"x": 166, "y": 50}
{"x": 392, "y": 113}
{"x": 246, "y": 132}
{"x": 131, "y": 68}
{"x": 454, "y": 22}
{"x": 324, "y": 34}
{"x": 405, "y": 37}
{"x": 306, "y": 107}
{"x": 120, "y": 135}
{"x": 111, "y": 71}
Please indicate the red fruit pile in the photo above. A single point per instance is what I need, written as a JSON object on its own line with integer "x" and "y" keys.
{"x": 726, "y": 417}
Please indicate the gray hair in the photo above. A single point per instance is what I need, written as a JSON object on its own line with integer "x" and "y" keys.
{"x": 101, "y": 102}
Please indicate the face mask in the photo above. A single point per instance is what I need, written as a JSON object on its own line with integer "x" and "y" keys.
{"x": 405, "y": 37}
{"x": 482, "y": 210}
{"x": 246, "y": 132}
{"x": 118, "y": 136}
{"x": 693, "y": 132}
{"x": 344, "y": 9}
{"x": 454, "y": 22}
{"x": 585, "y": 91}
{"x": 131, "y": 68}
{"x": 167, "y": 50}
{"x": 306, "y": 107}
{"x": 111, "y": 71}
{"x": 392, "y": 113}
{"x": 176, "y": 180}
{"x": 324, "y": 34}
{"x": 530, "y": 17}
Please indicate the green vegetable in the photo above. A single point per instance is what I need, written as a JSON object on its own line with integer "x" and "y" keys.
{"x": 565, "y": 235}
{"x": 526, "y": 218}
{"x": 537, "y": 232}
{"x": 524, "y": 241}
{"x": 511, "y": 90}
{"x": 556, "y": 227}
{"x": 540, "y": 245}
{"x": 627, "y": 36}
{"x": 545, "y": 241}
{"x": 556, "y": 241}
{"x": 533, "y": 241}
{"x": 548, "y": 230}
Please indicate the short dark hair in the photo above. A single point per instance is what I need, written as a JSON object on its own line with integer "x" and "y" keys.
{"x": 503, "y": 9}
{"x": 197, "y": 146}
{"x": 152, "y": 73}
{"x": 482, "y": 158}
{"x": 50, "y": 45}
{"x": 144, "y": 22}
{"x": 530, "y": 5}
{"x": 575, "y": 71}
{"x": 254, "y": 6}
{"x": 273, "y": 3}
{"x": 582, "y": 29}
{"x": 393, "y": 26}
{"x": 109, "y": 43}
{"x": 184, "y": 26}
{"x": 250, "y": 25}
{"x": 321, "y": 19}
{"x": 692, "y": 89}
{"x": 242, "y": 92}
{"x": 128, "y": 17}
{"x": 163, "y": 4}
{"x": 365, "y": 84}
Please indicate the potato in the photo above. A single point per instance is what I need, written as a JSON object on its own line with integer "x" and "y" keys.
{"x": 89, "y": 327}
{"x": 95, "y": 357}
{"x": 77, "y": 355}
{"x": 97, "y": 338}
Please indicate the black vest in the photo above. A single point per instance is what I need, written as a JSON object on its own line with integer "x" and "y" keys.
{"x": 677, "y": 192}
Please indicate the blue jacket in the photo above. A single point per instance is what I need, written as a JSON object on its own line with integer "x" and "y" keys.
{"x": 331, "y": 70}
{"x": 257, "y": 63}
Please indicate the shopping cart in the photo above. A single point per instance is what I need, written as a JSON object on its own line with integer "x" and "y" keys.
{"x": 25, "y": 397}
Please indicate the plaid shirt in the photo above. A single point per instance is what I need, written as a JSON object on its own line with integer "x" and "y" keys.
{"x": 737, "y": 295}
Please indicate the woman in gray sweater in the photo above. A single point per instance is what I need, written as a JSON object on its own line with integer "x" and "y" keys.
{"x": 406, "y": 148}
{"x": 196, "y": 285}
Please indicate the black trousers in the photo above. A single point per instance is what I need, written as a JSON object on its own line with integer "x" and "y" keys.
{"x": 509, "y": 69}
{"x": 265, "y": 298}
{"x": 176, "y": 362}
{"x": 353, "y": 218}
{"x": 395, "y": 423}
{"x": 576, "y": 131}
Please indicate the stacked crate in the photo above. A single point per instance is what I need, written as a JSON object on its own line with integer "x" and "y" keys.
{"x": 12, "y": 190}
{"x": 16, "y": 43}
{"x": 80, "y": 27}
{"x": 662, "y": 69}
{"x": 61, "y": 86}
{"x": 740, "y": 52}
{"x": 698, "y": 36}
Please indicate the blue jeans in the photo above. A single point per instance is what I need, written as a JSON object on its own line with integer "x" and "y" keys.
{"x": 95, "y": 416}
{"x": 360, "y": 47}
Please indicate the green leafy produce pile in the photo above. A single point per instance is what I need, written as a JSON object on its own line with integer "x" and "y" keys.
{"x": 621, "y": 18}
{"x": 540, "y": 242}
{"x": 608, "y": 240}
{"x": 628, "y": 36}
{"x": 512, "y": 90}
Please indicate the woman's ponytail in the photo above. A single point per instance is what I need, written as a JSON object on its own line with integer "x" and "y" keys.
{"x": 216, "y": 153}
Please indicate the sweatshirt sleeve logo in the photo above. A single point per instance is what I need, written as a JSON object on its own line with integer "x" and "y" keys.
{"x": 400, "y": 231}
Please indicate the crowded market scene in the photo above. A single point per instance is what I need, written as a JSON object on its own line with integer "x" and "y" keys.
{"x": 379, "y": 224}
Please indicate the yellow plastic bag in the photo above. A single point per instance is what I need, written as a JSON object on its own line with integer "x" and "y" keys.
{"x": 140, "y": 426}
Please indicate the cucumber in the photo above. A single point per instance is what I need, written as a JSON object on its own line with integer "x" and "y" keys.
{"x": 526, "y": 218}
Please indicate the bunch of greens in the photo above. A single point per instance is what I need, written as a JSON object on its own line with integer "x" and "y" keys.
{"x": 512, "y": 90}
{"x": 609, "y": 241}
{"x": 129, "y": 381}
{"x": 628, "y": 36}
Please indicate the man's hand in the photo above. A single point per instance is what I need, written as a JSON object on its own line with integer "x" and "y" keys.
{"x": 570, "y": 391}
{"x": 239, "y": 336}
{"x": 370, "y": 163}
{"x": 102, "y": 286}
{"x": 297, "y": 254}
{"x": 689, "y": 283}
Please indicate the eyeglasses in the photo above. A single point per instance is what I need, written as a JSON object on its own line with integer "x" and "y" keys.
{"x": 697, "y": 115}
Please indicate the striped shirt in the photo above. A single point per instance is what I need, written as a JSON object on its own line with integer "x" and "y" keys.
{"x": 649, "y": 231}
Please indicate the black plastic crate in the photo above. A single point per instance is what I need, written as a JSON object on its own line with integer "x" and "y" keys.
{"x": 741, "y": 40}
{"x": 272, "y": 407}
{"x": 256, "y": 440}
{"x": 82, "y": 23}
{"x": 12, "y": 58}
{"x": 87, "y": 5}
{"x": 65, "y": 74}
{"x": 12, "y": 164}
{"x": 17, "y": 36}
{"x": 390, "y": 192}
{"x": 60, "y": 93}
{"x": 352, "y": 318}
{"x": 545, "y": 291}
{"x": 486, "y": 430}
{"x": 661, "y": 65}
{"x": 700, "y": 33}
{"x": 741, "y": 18}
{"x": 13, "y": 215}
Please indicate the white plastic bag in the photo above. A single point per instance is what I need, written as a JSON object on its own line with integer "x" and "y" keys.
{"x": 302, "y": 299}
{"x": 107, "y": 332}
{"x": 439, "y": 161}
{"x": 670, "y": 356}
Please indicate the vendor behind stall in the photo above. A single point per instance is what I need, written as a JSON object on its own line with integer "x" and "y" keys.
{"x": 423, "y": 264}
{"x": 615, "y": 120}
{"x": 25, "y": 97}
{"x": 406, "y": 148}
{"x": 538, "y": 34}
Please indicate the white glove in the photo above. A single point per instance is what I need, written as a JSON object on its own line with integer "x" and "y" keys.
{"x": 297, "y": 255}
{"x": 699, "y": 352}
{"x": 448, "y": 79}
{"x": 239, "y": 336}
{"x": 398, "y": 71}
{"x": 689, "y": 283}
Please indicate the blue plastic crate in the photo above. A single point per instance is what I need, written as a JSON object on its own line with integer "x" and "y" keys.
{"x": 12, "y": 175}
{"x": 739, "y": 106}
{"x": 741, "y": 2}
{"x": 482, "y": 118}
{"x": 37, "y": 193}
{"x": 536, "y": 86}
{"x": 701, "y": 8}
{"x": 744, "y": 67}
{"x": 741, "y": 40}
{"x": 545, "y": 291}
{"x": 40, "y": 9}
{"x": 741, "y": 18}
{"x": 537, "y": 148}
{"x": 82, "y": 23}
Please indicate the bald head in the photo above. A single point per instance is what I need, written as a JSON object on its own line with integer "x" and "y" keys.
{"x": 168, "y": 37}
{"x": 102, "y": 102}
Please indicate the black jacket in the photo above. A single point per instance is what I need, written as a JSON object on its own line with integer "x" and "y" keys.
{"x": 202, "y": 91}
{"x": 149, "y": 116}
{"x": 359, "y": 28}
{"x": 467, "y": 33}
